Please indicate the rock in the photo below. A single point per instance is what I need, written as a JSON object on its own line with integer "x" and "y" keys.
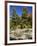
{"x": 21, "y": 34}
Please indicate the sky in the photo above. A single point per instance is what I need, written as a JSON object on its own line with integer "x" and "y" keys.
{"x": 19, "y": 9}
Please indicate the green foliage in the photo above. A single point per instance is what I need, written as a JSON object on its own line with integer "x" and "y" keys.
{"x": 13, "y": 20}
{"x": 24, "y": 13}
{"x": 23, "y": 21}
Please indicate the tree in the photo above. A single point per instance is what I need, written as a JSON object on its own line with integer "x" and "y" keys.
{"x": 13, "y": 19}
{"x": 24, "y": 13}
{"x": 24, "y": 17}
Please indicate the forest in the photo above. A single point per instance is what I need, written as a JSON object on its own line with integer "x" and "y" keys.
{"x": 21, "y": 22}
